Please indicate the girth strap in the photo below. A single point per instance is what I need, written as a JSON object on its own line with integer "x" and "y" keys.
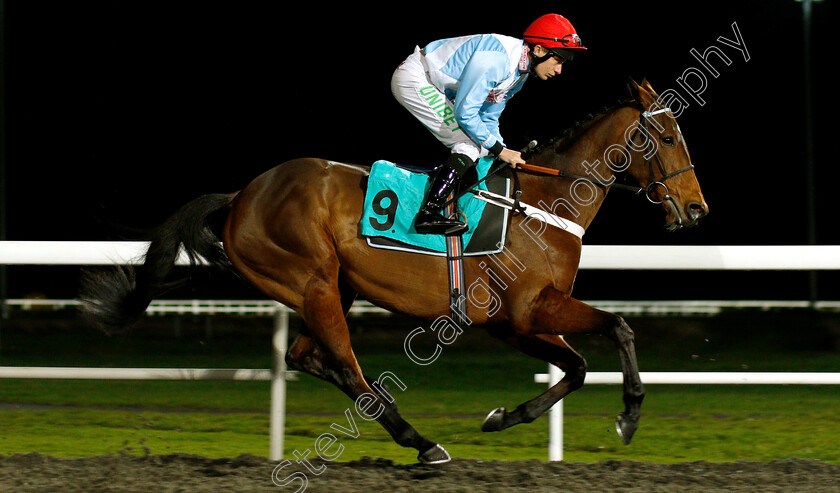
{"x": 455, "y": 262}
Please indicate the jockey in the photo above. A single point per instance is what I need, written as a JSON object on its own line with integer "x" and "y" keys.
{"x": 458, "y": 87}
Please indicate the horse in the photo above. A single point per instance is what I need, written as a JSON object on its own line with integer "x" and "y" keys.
{"x": 294, "y": 234}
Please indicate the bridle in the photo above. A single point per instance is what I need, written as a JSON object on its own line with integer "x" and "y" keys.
{"x": 654, "y": 163}
{"x": 648, "y": 190}
{"x": 654, "y": 183}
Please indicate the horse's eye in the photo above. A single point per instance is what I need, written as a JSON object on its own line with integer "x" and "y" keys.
{"x": 668, "y": 141}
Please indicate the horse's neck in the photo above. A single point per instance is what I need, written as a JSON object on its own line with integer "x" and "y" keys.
{"x": 583, "y": 155}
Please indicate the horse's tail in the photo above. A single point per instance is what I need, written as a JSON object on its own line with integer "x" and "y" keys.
{"x": 116, "y": 298}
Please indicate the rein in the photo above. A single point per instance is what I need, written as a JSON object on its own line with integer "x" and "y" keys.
{"x": 637, "y": 190}
{"x": 564, "y": 174}
{"x": 647, "y": 190}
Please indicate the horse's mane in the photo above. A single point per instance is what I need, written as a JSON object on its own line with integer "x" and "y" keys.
{"x": 578, "y": 125}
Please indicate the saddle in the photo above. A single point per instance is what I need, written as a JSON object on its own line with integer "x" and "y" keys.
{"x": 394, "y": 194}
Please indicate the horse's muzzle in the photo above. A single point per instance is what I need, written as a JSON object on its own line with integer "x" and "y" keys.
{"x": 686, "y": 217}
{"x": 696, "y": 211}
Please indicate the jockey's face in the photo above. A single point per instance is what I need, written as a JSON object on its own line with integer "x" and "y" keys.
{"x": 548, "y": 68}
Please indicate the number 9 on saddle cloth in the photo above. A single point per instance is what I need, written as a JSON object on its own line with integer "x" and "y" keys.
{"x": 395, "y": 193}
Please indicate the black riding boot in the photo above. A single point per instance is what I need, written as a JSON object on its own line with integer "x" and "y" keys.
{"x": 429, "y": 220}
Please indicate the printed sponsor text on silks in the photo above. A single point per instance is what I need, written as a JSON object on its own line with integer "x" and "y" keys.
{"x": 437, "y": 102}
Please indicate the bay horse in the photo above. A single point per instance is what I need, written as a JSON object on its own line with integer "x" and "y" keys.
{"x": 293, "y": 233}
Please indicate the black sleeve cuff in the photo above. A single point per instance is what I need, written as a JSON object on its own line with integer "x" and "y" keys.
{"x": 497, "y": 148}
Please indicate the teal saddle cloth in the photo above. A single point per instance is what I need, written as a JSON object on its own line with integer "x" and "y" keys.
{"x": 394, "y": 195}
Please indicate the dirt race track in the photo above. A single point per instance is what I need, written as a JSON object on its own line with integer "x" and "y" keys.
{"x": 185, "y": 473}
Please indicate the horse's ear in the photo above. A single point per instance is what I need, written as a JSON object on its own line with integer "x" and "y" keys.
{"x": 634, "y": 89}
{"x": 647, "y": 86}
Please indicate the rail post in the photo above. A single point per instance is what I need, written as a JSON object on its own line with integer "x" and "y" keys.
{"x": 280, "y": 342}
{"x": 555, "y": 418}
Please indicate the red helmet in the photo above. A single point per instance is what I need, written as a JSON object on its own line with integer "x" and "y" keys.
{"x": 555, "y": 32}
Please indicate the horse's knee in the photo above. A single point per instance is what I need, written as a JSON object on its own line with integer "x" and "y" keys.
{"x": 621, "y": 333}
{"x": 575, "y": 374}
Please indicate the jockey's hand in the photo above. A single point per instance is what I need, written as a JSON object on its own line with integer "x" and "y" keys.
{"x": 511, "y": 157}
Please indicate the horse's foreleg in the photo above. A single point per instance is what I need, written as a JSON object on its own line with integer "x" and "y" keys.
{"x": 575, "y": 317}
{"x": 634, "y": 392}
{"x": 556, "y": 314}
{"x": 555, "y": 350}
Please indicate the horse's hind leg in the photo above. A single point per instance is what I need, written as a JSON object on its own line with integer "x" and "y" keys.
{"x": 306, "y": 354}
{"x": 330, "y": 353}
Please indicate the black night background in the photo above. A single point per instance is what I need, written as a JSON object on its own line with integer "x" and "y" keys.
{"x": 116, "y": 113}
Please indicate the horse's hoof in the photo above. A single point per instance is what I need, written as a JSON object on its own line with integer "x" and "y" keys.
{"x": 435, "y": 455}
{"x": 626, "y": 426}
{"x": 494, "y": 420}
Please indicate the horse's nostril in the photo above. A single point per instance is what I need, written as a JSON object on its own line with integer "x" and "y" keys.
{"x": 696, "y": 211}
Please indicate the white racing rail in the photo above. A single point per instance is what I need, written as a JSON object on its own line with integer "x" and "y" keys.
{"x": 630, "y": 257}
{"x": 637, "y": 257}
{"x": 554, "y": 375}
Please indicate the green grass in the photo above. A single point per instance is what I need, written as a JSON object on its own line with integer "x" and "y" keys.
{"x": 755, "y": 423}
{"x": 445, "y": 401}
{"x": 82, "y": 432}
